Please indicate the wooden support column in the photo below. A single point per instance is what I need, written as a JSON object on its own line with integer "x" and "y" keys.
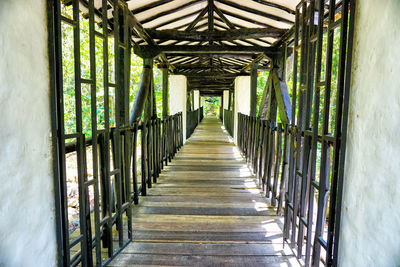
{"x": 165, "y": 92}
{"x": 143, "y": 91}
{"x": 153, "y": 97}
{"x": 230, "y": 100}
{"x": 282, "y": 97}
{"x": 149, "y": 101}
{"x": 253, "y": 89}
{"x": 211, "y": 18}
{"x": 192, "y": 96}
{"x": 275, "y": 95}
{"x": 211, "y": 24}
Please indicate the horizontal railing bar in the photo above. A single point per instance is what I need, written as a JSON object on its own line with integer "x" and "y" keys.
{"x": 76, "y": 241}
{"x": 68, "y": 21}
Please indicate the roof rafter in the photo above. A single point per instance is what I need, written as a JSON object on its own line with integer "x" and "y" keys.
{"x": 141, "y": 32}
{"x": 247, "y": 41}
{"x": 170, "y": 11}
{"x": 229, "y": 35}
{"x": 175, "y": 19}
{"x": 231, "y": 55}
{"x": 226, "y": 12}
{"x": 281, "y": 7}
{"x": 150, "y": 6}
{"x": 201, "y": 66}
{"x": 223, "y": 18}
{"x": 256, "y": 60}
{"x": 197, "y": 19}
{"x": 255, "y": 11}
{"x": 222, "y": 49}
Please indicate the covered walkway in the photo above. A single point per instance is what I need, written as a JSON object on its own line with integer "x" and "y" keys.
{"x": 206, "y": 210}
{"x": 107, "y": 160}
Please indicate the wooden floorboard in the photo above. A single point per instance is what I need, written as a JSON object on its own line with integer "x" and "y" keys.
{"x": 206, "y": 210}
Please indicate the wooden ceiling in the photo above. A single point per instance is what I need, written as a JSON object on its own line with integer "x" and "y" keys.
{"x": 210, "y": 41}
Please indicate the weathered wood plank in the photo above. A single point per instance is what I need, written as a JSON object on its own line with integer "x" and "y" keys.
{"x": 206, "y": 210}
{"x": 204, "y": 249}
{"x": 195, "y": 260}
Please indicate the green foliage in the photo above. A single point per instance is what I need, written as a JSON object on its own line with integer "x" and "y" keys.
{"x": 136, "y": 70}
{"x": 211, "y": 106}
{"x": 157, "y": 74}
{"x": 261, "y": 82}
{"x": 68, "y": 68}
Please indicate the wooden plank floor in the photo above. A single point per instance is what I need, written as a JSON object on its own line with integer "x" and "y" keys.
{"x": 206, "y": 210}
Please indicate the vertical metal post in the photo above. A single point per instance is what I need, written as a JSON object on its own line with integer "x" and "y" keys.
{"x": 253, "y": 89}
{"x": 165, "y": 92}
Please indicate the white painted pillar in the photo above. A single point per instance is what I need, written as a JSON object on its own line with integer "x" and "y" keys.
{"x": 196, "y": 99}
{"x": 225, "y": 100}
{"x": 177, "y": 98}
{"x": 196, "y": 102}
{"x": 370, "y": 224}
{"x": 202, "y": 101}
{"x": 242, "y": 100}
{"x": 27, "y": 224}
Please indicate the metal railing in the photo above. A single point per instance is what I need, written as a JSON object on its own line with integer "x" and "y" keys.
{"x": 130, "y": 161}
{"x": 201, "y": 113}
{"x": 261, "y": 143}
{"x": 228, "y": 121}
{"x": 193, "y": 118}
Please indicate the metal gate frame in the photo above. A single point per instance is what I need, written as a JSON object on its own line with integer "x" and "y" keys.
{"x": 301, "y": 230}
{"x": 114, "y": 182}
{"x": 284, "y": 156}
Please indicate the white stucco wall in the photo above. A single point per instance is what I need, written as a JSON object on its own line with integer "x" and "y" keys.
{"x": 226, "y": 99}
{"x": 201, "y": 101}
{"x": 177, "y": 98}
{"x": 196, "y": 98}
{"x": 242, "y": 100}
{"x": 27, "y": 220}
{"x": 370, "y": 226}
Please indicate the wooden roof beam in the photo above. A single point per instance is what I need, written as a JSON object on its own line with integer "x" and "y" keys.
{"x": 256, "y": 11}
{"x": 197, "y": 19}
{"x": 229, "y": 35}
{"x": 201, "y": 89}
{"x": 214, "y": 49}
{"x": 255, "y": 22}
{"x": 200, "y": 67}
{"x": 211, "y": 85}
{"x": 260, "y": 57}
{"x": 171, "y": 11}
{"x": 142, "y": 33}
{"x": 281, "y": 7}
{"x": 176, "y": 19}
{"x": 150, "y": 6}
{"x": 248, "y": 41}
{"x": 209, "y": 75}
{"x": 223, "y": 18}
{"x": 230, "y": 55}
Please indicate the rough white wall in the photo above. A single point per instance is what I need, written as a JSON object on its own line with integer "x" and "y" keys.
{"x": 196, "y": 98}
{"x": 201, "y": 101}
{"x": 27, "y": 220}
{"x": 226, "y": 99}
{"x": 177, "y": 98}
{"x": 370, "y": 227}
{"x": 242, "y": 100}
